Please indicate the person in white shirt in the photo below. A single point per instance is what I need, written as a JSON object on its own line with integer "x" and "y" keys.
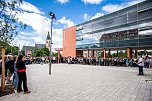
{"x": 141, "y": 65}
{"x": 69, "y": 60}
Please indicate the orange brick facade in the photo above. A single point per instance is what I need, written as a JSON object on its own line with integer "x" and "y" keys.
{"x": 69, "y": 42}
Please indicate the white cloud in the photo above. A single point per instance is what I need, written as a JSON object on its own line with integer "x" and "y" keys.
{"x": 67, "y": 22}
{"x": 114, "y": 7}
{"x": 62, "y": 1}
{"x": 29, "y": 7}
{"x": 24, "y": 39}
{"x": 111, "y": 8}
{"x": 33, "y": 17}
{"x": 40, "y": 24}
{"x": 38, "y": 40}
{"x": 92, "y": 1}
{"x": 56, "y": 38}
{"x": 86, "y": 17}
{"x": 96, "y": 15}
{"x": 134, "y": 2}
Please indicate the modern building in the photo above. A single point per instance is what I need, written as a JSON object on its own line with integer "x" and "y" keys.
{"x": 127, "y": 29}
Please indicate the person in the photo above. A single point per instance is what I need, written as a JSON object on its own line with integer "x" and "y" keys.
{"x": 21, "y": 71}
{"x": 69, "y": 60}
{"x": 141, "y": 65}
{"x": 0, "y": 65}
{"x": 9, "y": 68}
{"x": 147, "y": 62}
{"x": 15, "y": 78}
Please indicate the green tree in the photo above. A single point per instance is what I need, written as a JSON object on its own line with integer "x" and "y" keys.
{"x": 5, "y": 44}
{"x": 39, "y": 53}
{"x": 23, "y": 52}
{"x": 46, "y": 51}
{"x": 12, "y": 50}
{"x": 33, "y": 54}
{"x": 15, "y": 50}
{"x": 55, "y": 54}
{"x": 9, "y": 24}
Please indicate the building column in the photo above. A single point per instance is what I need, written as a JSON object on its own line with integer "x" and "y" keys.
{"x": 92, "y": 53}
{"x": 104, "y": 53}
{"x": 88, "y": 53}
{"x": 109, "y": 53}
{"x": 136, "y": 52}
{"x": 58, "y": 56}
{"x": 117, "y": 53}
{"x": 129, "y": 53}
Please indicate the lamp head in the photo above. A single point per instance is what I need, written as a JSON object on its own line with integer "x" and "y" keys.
{"x": 52, "y": 15}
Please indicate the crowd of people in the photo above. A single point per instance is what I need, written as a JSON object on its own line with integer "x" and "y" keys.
{"x": 141, "y": 62}
{"x": 109, "y": 61}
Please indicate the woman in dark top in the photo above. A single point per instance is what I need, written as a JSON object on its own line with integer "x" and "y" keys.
{"x": 21, "y": 71}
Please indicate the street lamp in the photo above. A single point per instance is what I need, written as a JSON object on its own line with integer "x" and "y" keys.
{"x": 52, "y": 15}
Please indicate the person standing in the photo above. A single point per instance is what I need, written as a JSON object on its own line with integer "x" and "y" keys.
{"x": 0, "y": 65}
{"x": 15, "y": 78}
{"x": 21, "y": 71}
{"x": 141, "y": 65}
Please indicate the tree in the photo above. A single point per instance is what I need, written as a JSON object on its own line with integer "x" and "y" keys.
{"x": 10, "y": 27}
{"x": 23, "y": 52}
{"x": 39, "y": 53}
{"x": 33, "y": 54}
{"x": 4, "y": 44}
{"x": 55, "y": 54}
{"x": 46, "y": 51}
{"x": 12, "y": 50}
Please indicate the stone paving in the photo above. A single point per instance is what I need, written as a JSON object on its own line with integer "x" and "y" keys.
{"x": 85, "y": 83}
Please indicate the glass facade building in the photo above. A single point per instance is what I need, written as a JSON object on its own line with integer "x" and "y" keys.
{"x": 128, "y": 27}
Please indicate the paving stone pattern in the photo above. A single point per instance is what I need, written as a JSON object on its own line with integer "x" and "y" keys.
{"x": 85, "y": 83}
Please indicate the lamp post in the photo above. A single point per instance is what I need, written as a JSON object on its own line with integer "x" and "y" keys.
{"x": 52, "y": 15}
{"x": 25, "y": 49}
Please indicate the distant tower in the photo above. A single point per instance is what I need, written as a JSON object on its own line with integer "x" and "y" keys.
{"x": 47, "y": 43}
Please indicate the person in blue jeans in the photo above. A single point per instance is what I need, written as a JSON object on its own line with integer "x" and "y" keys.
{"x": 15, "y": 78}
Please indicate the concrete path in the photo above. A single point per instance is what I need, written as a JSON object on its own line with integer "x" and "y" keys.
{"x": 85, "y": 83}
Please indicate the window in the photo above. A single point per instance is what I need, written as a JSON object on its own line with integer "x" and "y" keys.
{"x": 145, "y": 13}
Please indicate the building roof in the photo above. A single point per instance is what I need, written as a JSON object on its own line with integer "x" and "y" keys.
{"x": 28, "y": 48}
{"x": 39, "y": 46}
{"x": 48, "y": 37}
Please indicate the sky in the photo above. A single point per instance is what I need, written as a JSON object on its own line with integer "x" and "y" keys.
{"x": 68, "y": 13}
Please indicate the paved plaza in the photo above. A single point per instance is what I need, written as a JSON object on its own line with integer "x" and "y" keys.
{"x": 85, "y": 83}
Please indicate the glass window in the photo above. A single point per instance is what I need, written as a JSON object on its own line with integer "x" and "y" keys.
{"x": 145, "y": 13}
{"x": 145, "y": 4}
{"x": 132, "y": 17}
{"x": 98, "y": 25}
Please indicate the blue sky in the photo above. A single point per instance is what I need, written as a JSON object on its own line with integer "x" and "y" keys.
{"x": 68, "y": 13}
